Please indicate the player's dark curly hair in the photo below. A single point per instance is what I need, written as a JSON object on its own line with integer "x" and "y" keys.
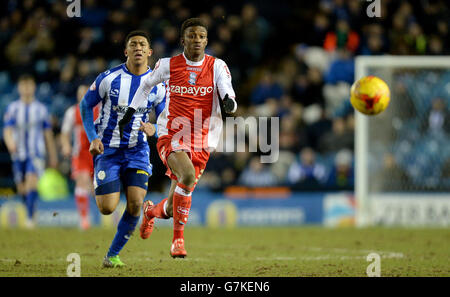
{"x": 137, "y": 33}
{"x": 191, "y": 23}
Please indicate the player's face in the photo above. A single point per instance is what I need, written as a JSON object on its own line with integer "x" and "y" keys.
{"x": 138, "y": 50}
{"x": 26, "y": 88}
{"x": 194, "y": 40}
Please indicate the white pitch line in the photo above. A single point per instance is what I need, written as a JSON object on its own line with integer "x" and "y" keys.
{"x": 354, "y": 255}
{"x": 383, "y": 254}
{"x": 309, "y": 258}
{"x": 322, "y": 258}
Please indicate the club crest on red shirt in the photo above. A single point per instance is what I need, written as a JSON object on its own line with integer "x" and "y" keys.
{"x": 192, "y": 78}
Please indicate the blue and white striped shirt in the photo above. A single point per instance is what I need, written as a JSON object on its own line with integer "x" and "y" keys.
{"x": 115, "y": 88}
{"x": 28, "y": 121}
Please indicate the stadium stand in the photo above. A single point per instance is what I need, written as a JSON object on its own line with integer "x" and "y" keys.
{"x": 297, "y": 66}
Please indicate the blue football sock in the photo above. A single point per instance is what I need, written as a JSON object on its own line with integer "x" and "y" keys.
{"x": 125, "y": 228}
{"x": 30, "y": 202}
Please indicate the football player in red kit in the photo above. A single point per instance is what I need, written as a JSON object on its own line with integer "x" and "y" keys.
{"x": 189, "y": 127}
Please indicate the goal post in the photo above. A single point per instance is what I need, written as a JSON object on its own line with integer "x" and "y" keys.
{"x": 414, "y": 82}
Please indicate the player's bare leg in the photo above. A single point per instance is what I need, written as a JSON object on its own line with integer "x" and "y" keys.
{"x": 181, "y": 165}
{"x": 135, "y": 198}
{"x": 107, "y": 203}
{"x": 169, "y": 206}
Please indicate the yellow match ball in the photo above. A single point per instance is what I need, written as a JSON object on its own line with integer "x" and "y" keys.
{"x": 370, "y": 95}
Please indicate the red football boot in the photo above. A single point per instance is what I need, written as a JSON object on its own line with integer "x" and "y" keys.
{"x": 177, "y": 249}
{"x": 148, "y": 221}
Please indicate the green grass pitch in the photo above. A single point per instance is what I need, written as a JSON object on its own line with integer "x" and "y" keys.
{"x": 275, "y": 251}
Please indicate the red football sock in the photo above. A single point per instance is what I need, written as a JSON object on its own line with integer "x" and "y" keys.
{"x": 182, "y": 198}
{"x": 158, "y": 211}
{"x": 82, "y": 201}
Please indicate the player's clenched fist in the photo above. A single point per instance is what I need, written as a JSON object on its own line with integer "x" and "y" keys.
{"x": 147, "y": 128}
{"x": 96, "y": 147}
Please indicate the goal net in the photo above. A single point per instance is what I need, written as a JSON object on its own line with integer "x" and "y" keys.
{"x": 403, "y": 154}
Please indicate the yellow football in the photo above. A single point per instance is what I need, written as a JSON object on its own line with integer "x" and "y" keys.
{"x": 370, "y": 95}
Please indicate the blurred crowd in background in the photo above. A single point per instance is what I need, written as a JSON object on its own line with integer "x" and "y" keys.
{"x": 289, "y": 59}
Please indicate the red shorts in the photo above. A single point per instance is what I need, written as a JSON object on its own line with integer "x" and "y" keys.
{"x": 198, "y": 158}
{"x": 82, "y": 163}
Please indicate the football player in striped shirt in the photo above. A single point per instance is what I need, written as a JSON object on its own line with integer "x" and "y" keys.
{"x": 122, "y": 161}
{"x": 28, "y": 136}
{"x": 190, "y": 126}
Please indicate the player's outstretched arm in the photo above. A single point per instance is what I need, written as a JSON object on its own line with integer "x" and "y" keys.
{"x": 225, "y": 87}
{"x": 158, "y": 75}
{"x": 87, "y": 116}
